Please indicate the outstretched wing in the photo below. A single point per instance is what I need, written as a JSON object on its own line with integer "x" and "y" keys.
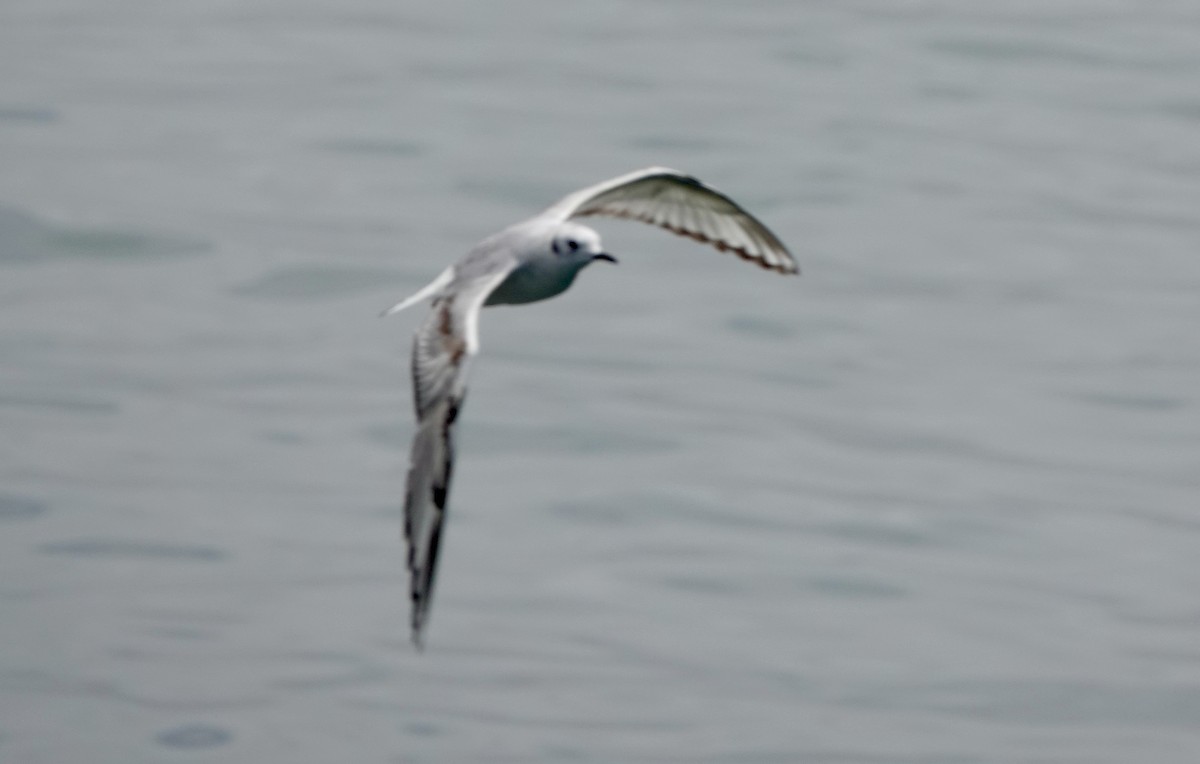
{"x": 682, "y": 205}
{"x": 442, "y": 351}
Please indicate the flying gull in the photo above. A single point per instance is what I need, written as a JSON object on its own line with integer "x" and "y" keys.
{"x": 530, "y": 261}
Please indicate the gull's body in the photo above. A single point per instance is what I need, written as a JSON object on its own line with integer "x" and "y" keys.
{"x": 530, "y": 261}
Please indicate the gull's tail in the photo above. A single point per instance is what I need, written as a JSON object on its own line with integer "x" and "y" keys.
{"x": 431, "y": 289}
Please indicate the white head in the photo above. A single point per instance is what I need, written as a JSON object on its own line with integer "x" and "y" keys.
{"x": 578, "y": 244}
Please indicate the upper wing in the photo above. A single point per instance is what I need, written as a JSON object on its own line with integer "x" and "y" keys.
{"x": 442, "y": 351}
{"x": 685, "y": 206}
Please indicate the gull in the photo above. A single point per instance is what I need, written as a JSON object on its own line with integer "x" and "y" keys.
{"x": 530, "y": 261}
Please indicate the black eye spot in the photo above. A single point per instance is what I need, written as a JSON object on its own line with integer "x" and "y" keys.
{"x": 572, "y": 245}
{"x": 554, "y": 247}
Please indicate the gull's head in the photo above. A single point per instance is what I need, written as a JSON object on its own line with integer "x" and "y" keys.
{"x": 578, "y": 245}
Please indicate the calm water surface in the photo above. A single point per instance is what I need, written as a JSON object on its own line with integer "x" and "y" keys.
{"x": 935, "y": 501}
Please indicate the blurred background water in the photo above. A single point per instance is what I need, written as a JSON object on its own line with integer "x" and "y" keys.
{"x": 933, "y": 501}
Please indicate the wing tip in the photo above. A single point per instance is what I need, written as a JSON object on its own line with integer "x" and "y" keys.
{"x": 420, "y": 614}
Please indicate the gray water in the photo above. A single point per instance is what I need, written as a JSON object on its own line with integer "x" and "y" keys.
{"x": 934, "y": 501}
